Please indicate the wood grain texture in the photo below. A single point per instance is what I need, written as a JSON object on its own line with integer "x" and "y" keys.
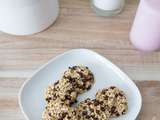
{"x": 151, "y": 100}
{"x": 78, "y": 27}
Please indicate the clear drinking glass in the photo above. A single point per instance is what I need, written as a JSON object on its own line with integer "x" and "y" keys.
{"x": 107, "y": 7}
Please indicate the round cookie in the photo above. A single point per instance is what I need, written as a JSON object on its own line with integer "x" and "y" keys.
{"x": 62, "y": 90}
{"x": 115, "y": 99}
{"x": 81, "y": 77}
{"x": 92, "y": 110}
{"x": 57, "y": 110}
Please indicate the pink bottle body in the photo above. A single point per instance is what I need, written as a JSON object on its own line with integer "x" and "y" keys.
{"x": 145, "y": 32}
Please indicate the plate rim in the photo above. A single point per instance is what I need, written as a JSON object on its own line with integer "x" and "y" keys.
{"x": 119, "y": 71}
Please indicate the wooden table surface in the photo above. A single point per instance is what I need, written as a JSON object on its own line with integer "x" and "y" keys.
{"x": 78, "y": 27}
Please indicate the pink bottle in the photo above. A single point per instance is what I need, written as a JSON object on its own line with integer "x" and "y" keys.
{"x": 145, "y": 33}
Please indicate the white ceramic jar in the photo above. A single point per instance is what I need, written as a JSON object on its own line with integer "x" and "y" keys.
{"x": 25, "y": 17}
{"x": 107, "y": 7}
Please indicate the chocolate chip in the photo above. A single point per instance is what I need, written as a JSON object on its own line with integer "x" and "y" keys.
{"x": 56, "y": 83}
{"x": 102, "y": 108}
{"x": 96, "y": 103}
{"x": 106, "y": 97}
{"x": 117, "y": 114}
{"x": 84, "y": 113}
{"x": 67, "y": 97}
{"x": 97, "y": 111}
{"x": 87, "y": 116}
{"x": 74, "y": 112}
{"x": 101, "y": 102}
{"x": 120, "y": 94}
{"x": 60, "y": 118}
{"x": 75, "y": 101}
{"x": 89, "y": 87}
{"x": 64, "y": 115}
{"x": 49, "y": 114}
{"x": 124, "y": 111}
{"x": 113, "y": 109}
{"x": 81, "y": 74}
{"x": 74, "y": 67}
{"x": 69, "y": 117}
{"x": 112, "y": 87}
{"x": 48, "y": 99}
{"x": 103, "y": 92}
{"x": 91, "y": 110}
{"x": 116, "y": 95}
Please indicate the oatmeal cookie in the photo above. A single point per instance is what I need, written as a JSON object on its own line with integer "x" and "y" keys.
{"x": 92, "y": 110}
{"x": 81, "y": 77}
{"x": 62, "y": 90}
{"x": 57, "y": 110}
{"x": 115, "y": 99}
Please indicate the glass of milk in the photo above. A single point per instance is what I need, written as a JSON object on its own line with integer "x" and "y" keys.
{"x": 107, "y": 7}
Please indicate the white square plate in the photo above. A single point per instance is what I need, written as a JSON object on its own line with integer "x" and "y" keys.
{"x": 31, "y": 97}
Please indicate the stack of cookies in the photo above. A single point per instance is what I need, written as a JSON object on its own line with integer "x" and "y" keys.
{"x": 60, "y": 97}
{"x": 63, "y": 94}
